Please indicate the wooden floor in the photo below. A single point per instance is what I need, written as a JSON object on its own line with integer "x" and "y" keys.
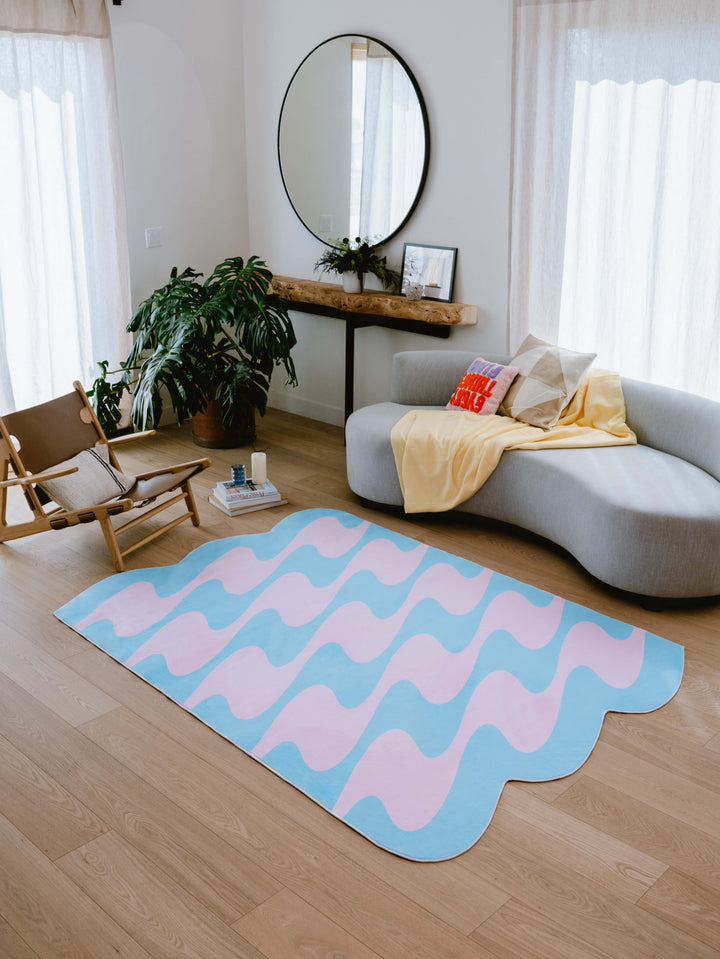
{"x": 130, "y": 829}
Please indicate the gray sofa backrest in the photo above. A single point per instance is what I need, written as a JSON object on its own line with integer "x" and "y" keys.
{"x": 429, "y": 377}
{"x": 676, "y": 422}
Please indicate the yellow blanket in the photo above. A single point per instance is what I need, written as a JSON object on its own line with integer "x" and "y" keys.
{"x": 443, "y": 457}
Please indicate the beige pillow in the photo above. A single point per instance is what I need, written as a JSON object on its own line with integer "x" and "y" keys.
{"x": 548, "y": 379}
{"x": 95, "y": 481}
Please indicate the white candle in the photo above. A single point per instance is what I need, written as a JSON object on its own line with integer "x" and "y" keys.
{"x": 259, "y": 468}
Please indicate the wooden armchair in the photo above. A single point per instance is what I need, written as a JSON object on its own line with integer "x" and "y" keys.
{"x": 34, "y": 441}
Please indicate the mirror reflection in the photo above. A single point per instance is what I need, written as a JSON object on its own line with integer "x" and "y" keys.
{"x": 353, "y": 140}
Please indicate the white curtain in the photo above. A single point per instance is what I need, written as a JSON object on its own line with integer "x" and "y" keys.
{"x": 393, "y": 145}
{"x": 64, "y": 273}
{"x": 615, "y": 209}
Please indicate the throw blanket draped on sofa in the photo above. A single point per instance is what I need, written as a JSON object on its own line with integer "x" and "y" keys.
{"x": 443, "y": 457}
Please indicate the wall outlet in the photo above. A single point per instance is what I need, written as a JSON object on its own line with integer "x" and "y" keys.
{"x": 153, "y": 236}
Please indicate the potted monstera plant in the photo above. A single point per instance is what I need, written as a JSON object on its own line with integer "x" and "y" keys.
{"x": 211, "y": 346}
{"x": 352, "y": 260}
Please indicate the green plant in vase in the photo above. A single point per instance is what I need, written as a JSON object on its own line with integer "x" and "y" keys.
{"x": 355, "y": 259}
{"x": 210, "y": 346}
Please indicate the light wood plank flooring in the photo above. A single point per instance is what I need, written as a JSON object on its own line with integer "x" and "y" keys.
{"x": 130, "y": 829}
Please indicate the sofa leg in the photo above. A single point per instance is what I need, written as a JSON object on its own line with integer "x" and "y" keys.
{"x": 654, "y": 604}
{"x": 659, "y": 604}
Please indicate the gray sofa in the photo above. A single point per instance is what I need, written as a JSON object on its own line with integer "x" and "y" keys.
{"x": 643, "y": 518}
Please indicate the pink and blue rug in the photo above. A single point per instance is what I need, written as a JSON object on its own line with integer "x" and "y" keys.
{"x": 398, "y": 686}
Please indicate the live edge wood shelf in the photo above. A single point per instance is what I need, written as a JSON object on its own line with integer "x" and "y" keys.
{"x": 373, "y": 308}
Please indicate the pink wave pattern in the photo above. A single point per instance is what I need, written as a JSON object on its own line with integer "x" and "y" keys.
{"x": 397, "y": 614}
{"x": 188, "y": 642}
{"x": 438, "y": 675}
{"x": 251, "y": 684}
{"x": 412, "y": 787}
{"x": 362, "y": 635}
{"x": 138, "y": 606}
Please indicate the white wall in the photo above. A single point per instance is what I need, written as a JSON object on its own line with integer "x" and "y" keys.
{"x": 460, "y": 53}
{"x": 180, "y": 98}
{"x": 200, "y": 85}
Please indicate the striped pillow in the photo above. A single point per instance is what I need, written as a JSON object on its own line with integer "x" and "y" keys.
{"x": 95, "y": 481}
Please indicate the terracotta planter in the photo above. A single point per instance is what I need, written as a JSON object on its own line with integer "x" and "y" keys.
{"x": 208, "y": 429}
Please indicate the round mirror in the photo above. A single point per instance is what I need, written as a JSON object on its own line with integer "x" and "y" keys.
{"x": 353, "y": 140}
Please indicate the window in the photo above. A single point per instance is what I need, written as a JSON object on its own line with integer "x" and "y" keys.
{"x": 388, "y": 142}
{"x": 358, "y": 60}
{"x": 616, "y": 185}
{"x": 64, "y": 277}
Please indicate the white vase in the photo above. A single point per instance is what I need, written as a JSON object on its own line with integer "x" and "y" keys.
{"x": 352, "y": 283}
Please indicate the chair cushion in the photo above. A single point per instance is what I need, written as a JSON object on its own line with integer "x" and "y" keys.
{"x": 146, "y": 489}
{"x": 95, "y": 481}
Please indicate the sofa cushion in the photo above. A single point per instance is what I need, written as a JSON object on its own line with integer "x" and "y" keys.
{"x": 482, "y": 387}
{"x": 636, "y": 517}
{"x": 548, "y": 379}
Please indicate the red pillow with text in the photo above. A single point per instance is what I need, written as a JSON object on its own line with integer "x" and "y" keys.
{"x": 483, "y": 386}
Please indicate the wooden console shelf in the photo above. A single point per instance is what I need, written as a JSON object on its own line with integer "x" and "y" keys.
{"x": 372, "y": 308}
{"x": 374, "y": 303}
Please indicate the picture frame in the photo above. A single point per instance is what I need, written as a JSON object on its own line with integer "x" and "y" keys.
{"x": 428, "y": 272}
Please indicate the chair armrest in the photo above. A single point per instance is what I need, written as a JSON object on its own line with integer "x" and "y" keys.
{"x": 37, "y": 477}
{"x": 175, "y": 468}
{"x": 129, "y": 437}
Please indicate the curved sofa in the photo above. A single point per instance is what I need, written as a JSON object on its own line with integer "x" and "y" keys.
{"x": 644, "y": 518}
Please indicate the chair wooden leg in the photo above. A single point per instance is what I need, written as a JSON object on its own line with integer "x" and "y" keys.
{"x": 192, "y": 506}
{"x": 3, "y": 492}
{"x": 112, "y": 543}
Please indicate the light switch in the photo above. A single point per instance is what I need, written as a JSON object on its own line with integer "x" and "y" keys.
{"x": 153, "y": 236}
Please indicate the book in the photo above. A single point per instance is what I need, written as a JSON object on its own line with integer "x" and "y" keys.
{"x": 246, "y": 500}
{"x": 229, "y": 492}
{"x": 250, "y": 507}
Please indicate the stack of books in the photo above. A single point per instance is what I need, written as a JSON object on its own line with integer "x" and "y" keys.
{"x": 234, "y": 500}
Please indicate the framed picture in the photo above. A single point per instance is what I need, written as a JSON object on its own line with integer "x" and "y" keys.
{"x": 428, "y": 272}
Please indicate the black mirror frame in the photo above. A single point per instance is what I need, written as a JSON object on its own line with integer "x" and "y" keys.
{"x": 426, "y": 130}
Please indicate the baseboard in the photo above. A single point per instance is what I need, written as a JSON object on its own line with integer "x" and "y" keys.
{"x": 280, "y": 401}
{"x": 310, "y": 408}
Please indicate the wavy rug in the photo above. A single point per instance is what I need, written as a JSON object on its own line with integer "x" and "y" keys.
{"x": 397, "y": 685}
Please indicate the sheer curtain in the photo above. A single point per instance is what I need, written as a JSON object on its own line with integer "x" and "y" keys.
{"x": 64, "y": 274}
{"x": 615, "y": 208}
{"x": 393, "y": 144}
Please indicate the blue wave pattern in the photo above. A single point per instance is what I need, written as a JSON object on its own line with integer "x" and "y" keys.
{"x": 395, "y": 684}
